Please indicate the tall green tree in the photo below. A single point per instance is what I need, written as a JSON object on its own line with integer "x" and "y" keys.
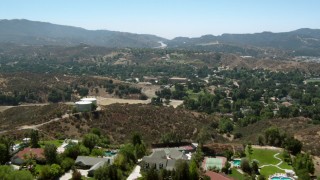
{"x": 90, "y": 140}
{"x": 182, "y": 170}
{"x": 193, "y": 170}
{"x": 50, "y": 153}
{"x": 34, "y": 135}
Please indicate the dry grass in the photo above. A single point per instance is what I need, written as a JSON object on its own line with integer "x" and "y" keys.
{"x": 119, "y": 121}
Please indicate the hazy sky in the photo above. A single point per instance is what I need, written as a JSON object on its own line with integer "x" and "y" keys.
{"x": 170, "y": 18}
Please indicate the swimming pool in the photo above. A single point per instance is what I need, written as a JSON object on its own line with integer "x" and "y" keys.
{"x": 236, "y": 162}
{"x": 110, "y": 153}
{"x": 280, "y": 178}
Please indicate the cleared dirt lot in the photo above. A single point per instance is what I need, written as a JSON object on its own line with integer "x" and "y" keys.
{"x": 107, "y": 101}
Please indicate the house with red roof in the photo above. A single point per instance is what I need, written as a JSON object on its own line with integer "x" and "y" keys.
{"x": 36, "y": 153}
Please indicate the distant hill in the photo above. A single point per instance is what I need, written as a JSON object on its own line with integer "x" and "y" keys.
{"x": 42, "y": 33}
{"x": 299, "y": 42}
{"x": 302, "y": 41}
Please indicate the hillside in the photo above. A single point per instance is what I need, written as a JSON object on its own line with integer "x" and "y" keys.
{"x": 41, "y": 33}
{"x": 302, "y": 41}
{"x": 119, "y": 121}
{"x": 299, "y": 127}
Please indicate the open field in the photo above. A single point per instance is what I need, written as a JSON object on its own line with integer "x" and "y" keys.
{"x": 107, "y": 101}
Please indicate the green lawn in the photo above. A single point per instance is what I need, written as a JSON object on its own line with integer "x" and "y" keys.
{"x": 266, "y": 156}
{"x": 269, "y": 170}
{"x": 55, "y": 142}
{"x": 236, "y": 175}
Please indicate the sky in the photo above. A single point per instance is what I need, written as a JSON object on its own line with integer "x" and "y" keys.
{"x": 170, "y": 18}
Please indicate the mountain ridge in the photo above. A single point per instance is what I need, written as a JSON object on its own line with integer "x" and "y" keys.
{"x": 304, "y": 41}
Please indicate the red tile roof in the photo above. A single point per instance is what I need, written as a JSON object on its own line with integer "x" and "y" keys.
{"x": 217, "y": 176}
{"x": 36, "y": 151}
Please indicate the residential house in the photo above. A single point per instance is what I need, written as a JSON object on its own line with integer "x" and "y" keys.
{"x": 163, "y": 159}
{"x": 93, "y": 163}
{"x": 35, "y": 153}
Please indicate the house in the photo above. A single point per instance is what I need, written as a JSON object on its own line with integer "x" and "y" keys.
{"x": 86, "y": 162}
{"x": 92, "y": 163}
{"x": 35, "y": 153}
{"x": 163, "y": 159}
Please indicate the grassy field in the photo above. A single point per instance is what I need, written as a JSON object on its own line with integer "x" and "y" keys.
{"x": 236, "y": 175}
{"x": 265, "y": 157}
{"x": 55, "y": 142}
{"x": 269, "y": 170}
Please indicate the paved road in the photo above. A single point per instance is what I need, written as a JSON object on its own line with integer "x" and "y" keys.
{"x": 135, "y": 173}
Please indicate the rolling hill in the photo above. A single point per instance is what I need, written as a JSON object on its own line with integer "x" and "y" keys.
{"x": 41, "y": 33}
{"x": 301, "y": 42}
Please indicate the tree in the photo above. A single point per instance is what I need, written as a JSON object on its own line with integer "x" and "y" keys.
{"x": 34, "y": 135}
{"x": 67, "y": 164}
{"x": 203, "y": 136}
{"x": 284, "y": 112}
{"x": 273, "y": 136}
{"x": 255, "y": 167}
{"x": 50, "y": 153}
{"x": 96, "y": 131}
{"x": 193, "y": 170}
{"x": 8, "y": 173}
{"x": 228, "y": 154}
{"x": 3, "y": 154}
{"x": 90, "y": 140}
{"x": 151, "y": 174}
{"x": 260, "y": 140}
{"x": 225, "y": 125}
{"x": 76, "y": 175}
{"x": 97, "y": 152}
{"x": 136, "y": 139}
{"x": 21, "y": 175}
{"x": 226, "y": 168}
{"x": 245, "y": 166}
{"x": 303, "y": 163}
{"x": 108, "y": 172}
{"x": 250, "y": 150}
{"x": 50, "y": 172}
{"x": 182, "y": 170}
{"x": 140, "y": 150}
{"x": 198, "y": 156}
{"x": 293, "y": 145}
{"x": 72, "y": 151}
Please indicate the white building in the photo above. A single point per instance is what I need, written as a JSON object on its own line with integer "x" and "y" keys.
{"x": 83, "y": 106}
{"x": 93, "y": 100}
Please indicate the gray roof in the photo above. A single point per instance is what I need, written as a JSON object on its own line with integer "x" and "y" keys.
{"x": 90, "y": 161}
{"x": 175, "y": 154}
{"x": 154, "y": 160}
{"x": 171, "y": 164}
{"x": 159, "y": 154}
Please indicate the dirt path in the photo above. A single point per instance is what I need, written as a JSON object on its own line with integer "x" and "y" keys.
{"x": 3, "y": 108}
{"x": 266, "y": 147}
{"x": 275, "y": 165}
{"x": 39, "y": 125}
